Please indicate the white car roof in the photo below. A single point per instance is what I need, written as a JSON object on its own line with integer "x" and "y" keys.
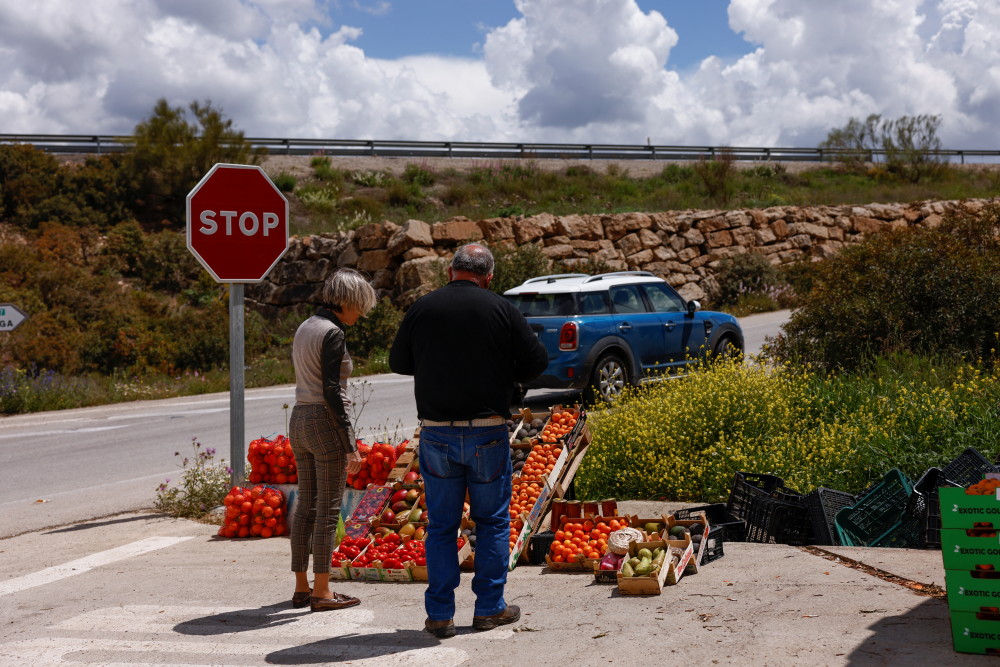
{"x": 581, "y": 282}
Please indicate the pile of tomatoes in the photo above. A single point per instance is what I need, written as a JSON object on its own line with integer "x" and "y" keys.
{"x": 254, "y": 512}
{"x": 559, "y": 425}
{"x": 349, "y": 549}
{"x": 540, "y": 462}
{"x": 376, "y": 462}
{"x": 414, "y": 551}
{"x": 579, "y": 539}
{"x": 272, "y": 461}
{"x": 380, "y": 553}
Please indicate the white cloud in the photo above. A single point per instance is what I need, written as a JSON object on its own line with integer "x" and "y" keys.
{"x": 589, "y": 71}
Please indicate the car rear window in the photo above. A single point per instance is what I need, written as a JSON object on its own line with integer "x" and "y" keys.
{"x": 545, "y": 305}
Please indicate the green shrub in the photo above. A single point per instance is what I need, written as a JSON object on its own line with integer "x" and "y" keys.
{"x": 929, "y": 291}
{"x": 684, "y": 439}
{"x": 284, "y": 182}
{"x": 717, "y": 177}
{"x": 419, "y": 175}
{"x": 743, "y": 275}
{"x": 515, "y": 264}
{"x": 203, "y": 485}
{"x": 375, "y": 331}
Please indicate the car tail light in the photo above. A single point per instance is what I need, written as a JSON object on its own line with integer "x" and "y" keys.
{"x": 567, "y": 337}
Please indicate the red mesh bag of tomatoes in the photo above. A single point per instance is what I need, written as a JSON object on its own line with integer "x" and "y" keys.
{"x": 254, "y": 512}
{"x": 377, "y": 460}
{"x": 272, "y": 461}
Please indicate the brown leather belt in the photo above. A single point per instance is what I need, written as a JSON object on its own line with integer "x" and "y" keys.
{"x": 485, "y": 421}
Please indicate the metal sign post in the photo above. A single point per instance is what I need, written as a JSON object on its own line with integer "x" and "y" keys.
{"x": 236, "y": 383}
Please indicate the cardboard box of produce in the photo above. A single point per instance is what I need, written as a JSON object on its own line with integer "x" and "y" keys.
{"x": 676, "y": 570}
{"x": 649, "y": 584}
{"x": 960, "y": 510}
{"x": 698, "y": 545}
{"x": 962, "y": 551}
{"x": 966, "y": 592}
{"x": 971, "y": 633}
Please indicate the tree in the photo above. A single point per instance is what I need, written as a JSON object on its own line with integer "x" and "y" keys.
{"x": 854, "y": 143}
{"x": 168, "y": 155}
{"x": 909, "y": 143}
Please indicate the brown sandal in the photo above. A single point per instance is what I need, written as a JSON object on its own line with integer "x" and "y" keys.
{"x": 338, "y": 601}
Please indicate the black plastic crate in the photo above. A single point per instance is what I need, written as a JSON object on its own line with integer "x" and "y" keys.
{"x": 538, "y": 546}
{"x": 717, "y": 515}
{"x": 925, "y": 506}
{"x": 779, "y": 521}
{"x": 713, "y": 544}
{"x": 747, "y": 488}
{"x": 823, "y": 504}
{"x": 968, "y": 468}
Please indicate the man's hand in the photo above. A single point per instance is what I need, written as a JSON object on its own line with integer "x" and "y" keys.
{"x": 353, "y": 462}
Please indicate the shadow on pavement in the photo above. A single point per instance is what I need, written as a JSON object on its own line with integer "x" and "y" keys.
{"x": 921, "y": 636}
{"x": 110, "y": 522}
{"x": 242, "y": 620}
{"x": 354, "y": 647}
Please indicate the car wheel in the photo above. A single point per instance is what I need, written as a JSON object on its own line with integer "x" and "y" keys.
{"x": 608, "y": 380}
{"x": 726, "y": 348}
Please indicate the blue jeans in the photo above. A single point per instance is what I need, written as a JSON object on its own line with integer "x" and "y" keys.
{"x": 453, "y": 460}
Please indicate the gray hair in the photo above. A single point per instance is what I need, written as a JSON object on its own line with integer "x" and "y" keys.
{"x": 474, "y": 258}
{"x": 347, "y": 287}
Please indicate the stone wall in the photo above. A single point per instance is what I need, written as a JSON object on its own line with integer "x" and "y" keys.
{"x": 684, "y": 247}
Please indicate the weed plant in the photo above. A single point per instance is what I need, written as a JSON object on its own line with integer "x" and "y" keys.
{"x": 685, "y": 438}
{"x": 202, "y": 487}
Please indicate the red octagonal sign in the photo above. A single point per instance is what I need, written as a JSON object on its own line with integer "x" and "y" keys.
{"x": 237, "y": 223}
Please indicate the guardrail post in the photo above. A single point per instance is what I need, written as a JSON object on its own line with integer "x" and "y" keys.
{"x": 97, "y": 140}
{"x": 448, "y": 144}
{"x": 371, "y": 144}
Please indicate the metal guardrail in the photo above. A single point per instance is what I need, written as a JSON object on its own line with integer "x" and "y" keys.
{"x": 80, "y": 143}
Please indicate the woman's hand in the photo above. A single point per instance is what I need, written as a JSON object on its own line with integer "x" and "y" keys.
{"x": 353, "y": 462}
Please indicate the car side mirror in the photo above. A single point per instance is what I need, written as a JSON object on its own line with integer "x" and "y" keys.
{"x": 693, "y": 307}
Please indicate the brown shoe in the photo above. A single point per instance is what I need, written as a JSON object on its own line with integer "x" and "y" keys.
{"x": 338, "y": 601}
{"x": 509, "y": 615}
{"x": 300, "y": 600}
{"x": 440, "y": 629}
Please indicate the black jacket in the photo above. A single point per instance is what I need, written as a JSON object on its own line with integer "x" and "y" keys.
{"x": 466, "y": 348}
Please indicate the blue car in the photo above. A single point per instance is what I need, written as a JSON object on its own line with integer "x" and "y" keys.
{"x": 607, "y": 331}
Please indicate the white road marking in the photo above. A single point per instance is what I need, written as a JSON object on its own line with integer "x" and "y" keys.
{"x": 87, "y": 563}
{"x": 62, "y": 431}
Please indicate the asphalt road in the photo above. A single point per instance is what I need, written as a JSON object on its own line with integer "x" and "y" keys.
{"x": 73, "y": 465}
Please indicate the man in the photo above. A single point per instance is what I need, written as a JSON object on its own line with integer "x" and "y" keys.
{"x": 466, "y": 347}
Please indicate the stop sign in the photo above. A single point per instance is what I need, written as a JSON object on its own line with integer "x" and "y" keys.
{"x": 237, "y": 223}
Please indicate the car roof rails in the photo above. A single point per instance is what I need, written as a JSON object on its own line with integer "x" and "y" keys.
{"x": 619, "y": 273}
{"x": 555, "y": 277}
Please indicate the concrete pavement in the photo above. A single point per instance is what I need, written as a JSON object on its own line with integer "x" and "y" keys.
{"x": 144, "y": 588}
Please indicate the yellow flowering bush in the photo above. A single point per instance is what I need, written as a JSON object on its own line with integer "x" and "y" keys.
{"x": 684, "y": 438}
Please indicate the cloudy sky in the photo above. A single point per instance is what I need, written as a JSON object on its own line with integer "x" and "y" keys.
{"x": 675, "y": 72}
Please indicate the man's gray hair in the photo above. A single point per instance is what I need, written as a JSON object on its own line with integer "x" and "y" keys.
{"x": 347, "y": 287}
{"x": 474, "y": 258}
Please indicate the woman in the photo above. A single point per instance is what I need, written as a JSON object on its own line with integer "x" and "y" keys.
{"x": 321, "y": 434}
